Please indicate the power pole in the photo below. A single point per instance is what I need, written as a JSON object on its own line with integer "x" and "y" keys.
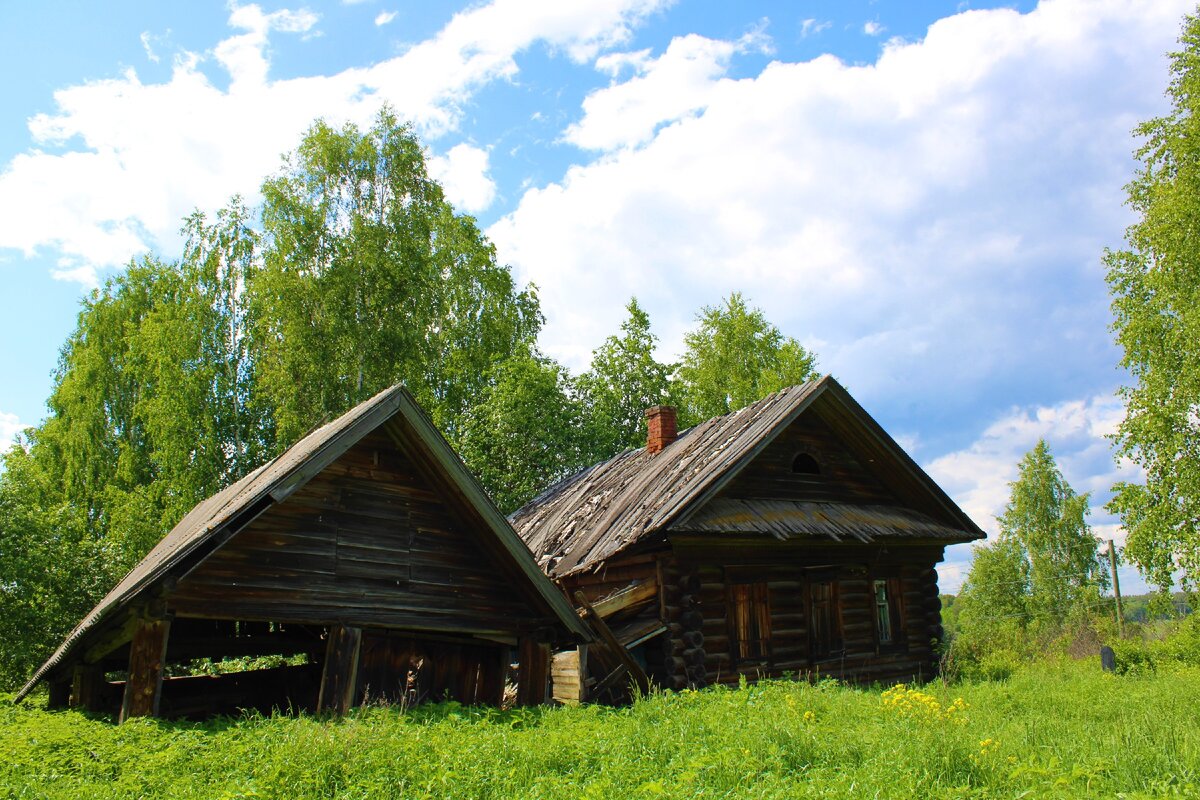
{"x": 1112, "y": 565}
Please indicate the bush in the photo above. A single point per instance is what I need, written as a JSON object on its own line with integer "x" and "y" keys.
{"x": 1179, "y": 647}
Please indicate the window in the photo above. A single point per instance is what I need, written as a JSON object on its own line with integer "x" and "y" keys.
{"x": 825, "y": 619}
{"x": 883, "y": 613}
{"x": 885, "y": 604}
{"x": 805, "y": 464}
{"x": 750, "y": 622}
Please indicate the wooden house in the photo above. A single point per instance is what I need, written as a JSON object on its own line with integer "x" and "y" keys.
{"x": 793, "y": 536}
{"x": 365, "y": 554}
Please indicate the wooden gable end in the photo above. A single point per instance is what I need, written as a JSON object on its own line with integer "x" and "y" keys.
{"x": 370, "y": 541}
{"x": 808, "y": 462}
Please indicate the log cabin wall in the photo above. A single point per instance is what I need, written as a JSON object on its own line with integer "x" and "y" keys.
{"x": 367, "y": 542}
{"x": 791, "y": 579}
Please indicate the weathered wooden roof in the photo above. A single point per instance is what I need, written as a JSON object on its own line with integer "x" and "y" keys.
{"x": 787, "y": 519}
{"x": 587, "y": 518}
{"x": 217, "y": 518}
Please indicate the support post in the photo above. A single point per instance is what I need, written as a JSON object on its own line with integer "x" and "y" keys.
{"x": 636, "y": 673}
{"x": 1112, "y": 565}
{"x": 87, "y": 687}
{"x": 60, "y": 694}
{"x": 339, "y": 677}
{"x": 147, "y": 652}
{"x": 533, "y": 671}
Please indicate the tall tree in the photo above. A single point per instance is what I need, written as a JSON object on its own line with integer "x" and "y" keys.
{"x": 1155, "y": 285}
{"x": 370, "y": 278}
{"x": 1044, "y": 567}
{"x": 624, "y": 380}
{"x": 527, "y": 430}
{"x": 736, "y": 357}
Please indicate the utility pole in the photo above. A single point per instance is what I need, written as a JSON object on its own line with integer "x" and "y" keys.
{"x": 1112, "y": 565}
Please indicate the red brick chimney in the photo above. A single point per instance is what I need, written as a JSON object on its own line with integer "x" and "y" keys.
{"x": 661, "y": 423}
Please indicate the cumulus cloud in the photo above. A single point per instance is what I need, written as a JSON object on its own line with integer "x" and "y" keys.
{"x": 119, "y": 162}
{"x": 463, "y": 173}
{"x": 384, "y": 18}
{"x": 978, "y": 477}
{"x": 934, "y": 219}
{"x": 873, "y": 28}
{"x": 663, "y": 90}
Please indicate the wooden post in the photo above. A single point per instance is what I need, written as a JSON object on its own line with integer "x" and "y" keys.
{"x": 60, "y": 694}
{"x": 1112, "y": 565}
{"x": 339, "y": 678}
{"x": 147, "y": 651}
{"x": 87, "y": 687}
{"x": 533, "y": 671}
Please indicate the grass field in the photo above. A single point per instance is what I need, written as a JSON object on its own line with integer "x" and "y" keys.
{"x": 1055, "y": 729}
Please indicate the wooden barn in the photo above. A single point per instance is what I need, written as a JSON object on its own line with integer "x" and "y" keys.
{"x": 366, "y": 555}
{"x": 791, "y": 537}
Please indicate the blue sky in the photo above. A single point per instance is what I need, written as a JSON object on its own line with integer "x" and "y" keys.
{"x": 921, "y": 192}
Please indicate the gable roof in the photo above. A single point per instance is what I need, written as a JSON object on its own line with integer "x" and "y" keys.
{"x": 591, "y": 516}
{"x": 214, "y": 520}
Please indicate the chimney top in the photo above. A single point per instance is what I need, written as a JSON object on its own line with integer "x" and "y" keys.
{"x": 660, "y": 423}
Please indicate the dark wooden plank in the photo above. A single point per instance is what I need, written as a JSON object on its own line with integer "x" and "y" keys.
{"x": 339, "y": 677}
{"x": 143, "y": 690}
{"x": 533, "y": 671}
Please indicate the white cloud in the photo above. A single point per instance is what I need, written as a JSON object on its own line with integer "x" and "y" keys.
{"x": 147, "y": 45}
{"x": 384, "y": 18}
{"x": 463, "y": 173}
{"x": 978, "y": 477}
{"x": 139, "y": 156}
{"x": 873, "y": 28}
{"x": 811, "y": 27}
{"x": 936, "y": 218}
{"x": 663, "y": 90}
{"x": 10, "y": 426}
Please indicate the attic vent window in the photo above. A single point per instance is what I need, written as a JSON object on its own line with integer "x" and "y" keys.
{"x": 805, "y": 464}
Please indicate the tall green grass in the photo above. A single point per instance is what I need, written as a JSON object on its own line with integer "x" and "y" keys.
{"x": 1056, "y": 729}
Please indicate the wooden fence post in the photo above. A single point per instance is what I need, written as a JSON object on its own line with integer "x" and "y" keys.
{"x": 340, "y": 674}
{"x": 147, "y": 651}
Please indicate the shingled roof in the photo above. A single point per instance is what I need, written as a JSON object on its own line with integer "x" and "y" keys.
{"x": 587, "y": 518}
{"x": 214, "y": 520}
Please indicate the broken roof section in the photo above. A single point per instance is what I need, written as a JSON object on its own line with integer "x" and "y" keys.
{"x": 213, "y": 521}
{"x": 583, "y": 520}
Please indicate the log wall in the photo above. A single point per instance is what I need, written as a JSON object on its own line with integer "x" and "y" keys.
{"x": 366, "y": 543}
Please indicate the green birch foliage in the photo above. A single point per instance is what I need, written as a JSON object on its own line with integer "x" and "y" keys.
{"x": 736, "y": 357}
{"x": 369, "y": 278}
{"x": 1044, "y": 568}
{"x": 527, "y": 431}
{"x": 624, "y": 380}
{"x": 1155, "y": 285}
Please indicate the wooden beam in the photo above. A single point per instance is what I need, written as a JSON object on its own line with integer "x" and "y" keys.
{"x": 143, "y": 690}
{"x": 340, "y": 675}
{"x": 533, "y": 671}
{"x": 636, "y": 673}
{"x": 628, "y": 597}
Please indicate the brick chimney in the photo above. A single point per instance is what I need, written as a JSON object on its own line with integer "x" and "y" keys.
{"x": 660, "y": 420}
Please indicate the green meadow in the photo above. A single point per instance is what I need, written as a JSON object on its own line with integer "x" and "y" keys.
{"x": 1058, "y": 728}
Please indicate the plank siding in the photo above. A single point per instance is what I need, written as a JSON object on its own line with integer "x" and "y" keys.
{"x": 367, "y": 543}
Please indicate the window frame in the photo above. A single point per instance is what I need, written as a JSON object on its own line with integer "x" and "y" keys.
{"x": 748, "y": 606}
{"x": 832, "y": 646}
{"x": 894, "y": 588}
